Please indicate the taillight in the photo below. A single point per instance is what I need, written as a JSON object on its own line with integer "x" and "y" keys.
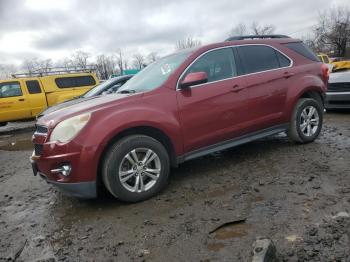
{"x": 325, "y": 72}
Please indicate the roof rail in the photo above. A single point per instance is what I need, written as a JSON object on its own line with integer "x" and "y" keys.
{"x": 243, "y": 37}
{"x": 57, "y": 71}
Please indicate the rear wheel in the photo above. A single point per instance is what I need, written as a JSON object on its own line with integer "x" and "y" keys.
{"x": 136, "y": 168}
{"x": 306, "y": 122}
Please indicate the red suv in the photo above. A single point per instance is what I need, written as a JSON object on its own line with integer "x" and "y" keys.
{"x": 183, "y": 106}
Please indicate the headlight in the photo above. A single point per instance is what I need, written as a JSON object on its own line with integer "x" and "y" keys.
{"x": 69, "y": 128}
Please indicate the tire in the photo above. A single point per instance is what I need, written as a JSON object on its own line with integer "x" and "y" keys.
{"x": 119, "y": 163}
{"x": 303, "y": 128}
{"x": 3, "y": 124}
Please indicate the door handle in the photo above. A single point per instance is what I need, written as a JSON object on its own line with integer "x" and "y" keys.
{"x": 21, "y": 99}
{"x": 237, "y": 88}
{"x": 288, "y": 74}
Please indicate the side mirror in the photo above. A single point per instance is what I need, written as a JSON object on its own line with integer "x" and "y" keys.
{"x": 196, "y": 78}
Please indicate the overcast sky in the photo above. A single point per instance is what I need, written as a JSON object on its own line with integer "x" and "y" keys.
{"x": 56, "y": 28}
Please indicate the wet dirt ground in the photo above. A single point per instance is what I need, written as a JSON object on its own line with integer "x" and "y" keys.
{"x": 212, "y": 210}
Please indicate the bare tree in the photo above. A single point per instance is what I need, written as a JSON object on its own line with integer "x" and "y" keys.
{"x": 29, "y": 66}
{"x": 152, "y": 57}
{"x": 105, "y": 66}
{"x": 310, "y": 41}
{"x": 35, "y": 65}
{"x": 239, "y": 29}
{"x": 266, "y": 29}
{"x": 80, "y": 59}
{"x": 188, "y": 42}
{"x": 254, "y": 29}
{"x": 139, "y": 61}
{"x": 66, "y": 63}
{"x": 332, "y": 33}
{"x": 44, "y": 66}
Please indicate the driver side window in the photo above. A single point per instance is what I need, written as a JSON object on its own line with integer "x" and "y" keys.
{"x": 10, "y": 89}
{"x": 218, "y": 64}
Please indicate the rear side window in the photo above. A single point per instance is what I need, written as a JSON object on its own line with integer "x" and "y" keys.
{"x": 10, "y": 89}
{"x": 33, "y": 87}
{"x": 218, "y": 64}
{"x": 258, "y": 58}
{"x": 303, "y": 50}
{"x": 75, "y": 81}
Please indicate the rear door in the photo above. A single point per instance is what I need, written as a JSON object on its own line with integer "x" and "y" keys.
{"x": 267, "y": 73}
{"x": 36, "y": 97}
{"x": 13, "y": 101}
{"x": 210, "y": 112}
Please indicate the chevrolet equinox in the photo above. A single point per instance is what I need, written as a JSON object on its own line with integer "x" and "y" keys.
{"x": 185, "y": 105}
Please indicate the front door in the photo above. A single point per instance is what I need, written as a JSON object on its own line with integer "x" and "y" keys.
{"x": 13, "y": 102}
{"x": 209, "y": 112}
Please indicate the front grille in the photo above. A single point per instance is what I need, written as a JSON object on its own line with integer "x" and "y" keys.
{"x": 38, "y": 149}
{"x": 339, "y": 87}
{"x": 41, "y": 129}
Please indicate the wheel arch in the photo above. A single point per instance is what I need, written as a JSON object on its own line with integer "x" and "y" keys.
{"x": 315, "y": 94}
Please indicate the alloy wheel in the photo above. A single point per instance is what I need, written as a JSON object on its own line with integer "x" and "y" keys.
{"x": 309, "y": 121}
{"x": 139, "y": 170}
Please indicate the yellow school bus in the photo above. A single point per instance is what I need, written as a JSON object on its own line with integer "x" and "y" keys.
{"x": 24, "y": 97}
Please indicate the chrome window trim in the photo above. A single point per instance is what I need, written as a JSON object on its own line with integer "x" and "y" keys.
{"x": 337, "y": 93}
{"x": 233, "y": 46}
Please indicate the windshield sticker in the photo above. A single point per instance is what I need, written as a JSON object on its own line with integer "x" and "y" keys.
{"x": 166, "y": 69}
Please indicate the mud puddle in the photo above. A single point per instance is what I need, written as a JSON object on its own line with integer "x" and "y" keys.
{"x": 215, "y": 246}
{"x": 20, "y": 142}
{"x": 232, "y": 231}
{"x": 227, "y": 233}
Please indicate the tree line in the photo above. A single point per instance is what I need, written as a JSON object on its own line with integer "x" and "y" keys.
{"x": 105, "y": 65}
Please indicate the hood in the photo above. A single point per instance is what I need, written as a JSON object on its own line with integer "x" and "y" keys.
{"x": 340, "y": 77}
{"x": 63, "y": 105}
{"x": 84, "y": 105}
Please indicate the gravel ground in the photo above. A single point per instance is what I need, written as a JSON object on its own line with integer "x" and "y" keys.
{"x": 213, "y": 209}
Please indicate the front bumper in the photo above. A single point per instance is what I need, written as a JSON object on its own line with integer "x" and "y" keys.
{"x": 77, "y": 189}
{"x": 49, "y": 158}
{"x": 337, "y": 100}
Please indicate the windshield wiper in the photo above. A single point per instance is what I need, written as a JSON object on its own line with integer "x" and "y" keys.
{"x": 126, "y": 91}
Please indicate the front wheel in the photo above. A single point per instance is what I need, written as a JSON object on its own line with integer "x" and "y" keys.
{"x": 306, "y": 122}
{"x": 136, "y": 168}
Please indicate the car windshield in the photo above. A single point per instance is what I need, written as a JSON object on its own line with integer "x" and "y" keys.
{"x": 155, "y": 74}
{"x": 99, "y": 88}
